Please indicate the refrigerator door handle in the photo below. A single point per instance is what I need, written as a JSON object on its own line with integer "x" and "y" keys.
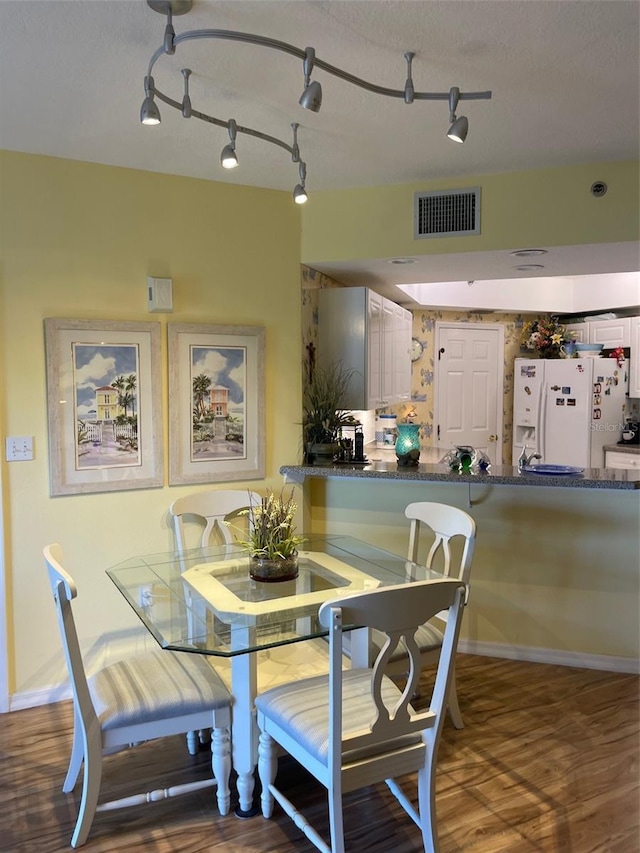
{"x": 542, "y": 416}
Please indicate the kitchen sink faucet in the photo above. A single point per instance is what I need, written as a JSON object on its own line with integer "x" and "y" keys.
{"x": 524, "y": 460}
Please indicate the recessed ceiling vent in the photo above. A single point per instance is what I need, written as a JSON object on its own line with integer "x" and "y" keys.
{"x": 449, "y": 213}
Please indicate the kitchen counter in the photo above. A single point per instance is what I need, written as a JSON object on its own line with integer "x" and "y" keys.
{"x": 497, "y": 475}
{"x": 623, "y": 448}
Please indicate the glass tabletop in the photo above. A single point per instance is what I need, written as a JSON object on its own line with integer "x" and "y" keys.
{"x": 205, "y": 601}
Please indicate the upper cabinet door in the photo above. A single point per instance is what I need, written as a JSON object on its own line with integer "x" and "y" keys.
{"x": 375, "y": 343}
{"x": 611, "y": 333}
{"x": 578, "y": 332}
{"x": 403, "y": 322}
{"x": 371, "y": 336}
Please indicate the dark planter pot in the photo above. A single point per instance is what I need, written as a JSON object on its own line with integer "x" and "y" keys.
{"x": 270, "y": 571}
{"x": 322, "y": 454}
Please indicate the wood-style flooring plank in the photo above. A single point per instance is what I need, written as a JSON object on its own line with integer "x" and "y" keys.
{"x": 548, "y": 762}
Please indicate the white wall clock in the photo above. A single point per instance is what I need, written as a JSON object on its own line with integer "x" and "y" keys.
{"x": 416, "y": 349}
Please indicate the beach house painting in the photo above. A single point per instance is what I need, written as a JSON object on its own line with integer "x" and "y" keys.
{"x": 219, "y": 384}
{"x": 106, "y": 394}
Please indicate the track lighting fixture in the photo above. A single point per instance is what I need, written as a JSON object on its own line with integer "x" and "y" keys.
{"x": 459, "y": 126}
{"x": 311, "y": 98}
{"x": 228, "y": 158}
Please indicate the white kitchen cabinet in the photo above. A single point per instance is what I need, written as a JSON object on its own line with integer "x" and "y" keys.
{"x": 578, "y": 332}
{"x": 403, "y": 323}
{"x": 627, "y": 461}
{"x": 371, "y": 336}
{"x": 634, "y": 358}
{"x": 611, "y": 333}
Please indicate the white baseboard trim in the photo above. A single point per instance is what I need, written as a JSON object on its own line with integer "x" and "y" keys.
{"x": 534, "y": 654}
{"x": 97, "y": 652}
{"x": 44, "y": 696}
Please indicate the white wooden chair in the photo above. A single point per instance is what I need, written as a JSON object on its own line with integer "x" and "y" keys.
{"x": 356, "y": 727}
{"x": 211, "y": 509}
{"x": 445, "y": 523}
{"x": 148, "y": 696}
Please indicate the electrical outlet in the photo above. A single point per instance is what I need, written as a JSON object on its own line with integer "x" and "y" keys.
{"x": 19, "y": 448}
{"x": 145, "y": 595}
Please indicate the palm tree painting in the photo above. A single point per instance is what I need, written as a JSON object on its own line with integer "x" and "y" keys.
{"x": 105, "y": 400}
{"x": 218, "y": 381}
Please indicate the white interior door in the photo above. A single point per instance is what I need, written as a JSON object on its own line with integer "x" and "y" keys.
{"x": 469, "y": 386}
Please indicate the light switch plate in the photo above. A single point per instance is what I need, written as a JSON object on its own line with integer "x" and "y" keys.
{"x": 19, "y": 448}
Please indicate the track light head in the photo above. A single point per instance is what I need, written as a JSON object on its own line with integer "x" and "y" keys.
{"x": 459, "y": 126}
{"x": 228, "y": 158}
{"x": 186, "y": 98}
{"x": 459, "y": 129}
{"x": 300, "y": 194}
{"x": 149, "y": 112}
{"x": 311, "y": 98}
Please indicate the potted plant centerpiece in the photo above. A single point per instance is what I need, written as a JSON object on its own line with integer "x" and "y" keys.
{"x": 324, "y": 404}
{"x": 272, "y": 542}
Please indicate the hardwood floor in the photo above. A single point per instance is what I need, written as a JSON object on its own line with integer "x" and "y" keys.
{"x": 548, "y": 761}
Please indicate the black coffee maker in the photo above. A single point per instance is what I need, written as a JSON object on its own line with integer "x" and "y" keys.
{"x": 630, "y": 433}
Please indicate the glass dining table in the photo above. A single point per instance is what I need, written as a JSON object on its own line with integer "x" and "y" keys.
{"x": 204, "y": 601}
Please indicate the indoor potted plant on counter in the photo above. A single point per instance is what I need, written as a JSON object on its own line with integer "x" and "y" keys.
{"x": 324, "y": 401}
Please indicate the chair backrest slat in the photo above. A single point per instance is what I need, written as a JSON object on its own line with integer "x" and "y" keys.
{"x": 211, "y": 508}
{"x": 397, "y": 612}
{"x": 446, "y": 522}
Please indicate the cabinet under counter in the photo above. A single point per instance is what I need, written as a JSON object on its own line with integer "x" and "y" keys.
{"x": 625, "y": 457}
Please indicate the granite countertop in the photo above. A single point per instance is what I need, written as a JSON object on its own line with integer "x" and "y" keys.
{"x": 498, "y": 475}
{"x": 623, "y": 448}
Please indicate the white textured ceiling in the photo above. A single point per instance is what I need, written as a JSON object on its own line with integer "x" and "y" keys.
{"x": 564, "y": 75}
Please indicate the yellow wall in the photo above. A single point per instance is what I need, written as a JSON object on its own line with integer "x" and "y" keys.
{"x": 78, "y": 241}
{"x": 549, "y": 207}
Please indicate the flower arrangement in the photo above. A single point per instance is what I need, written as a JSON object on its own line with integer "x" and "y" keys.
{"x": 543, "y": 335}
{"x": 272, "y": 532}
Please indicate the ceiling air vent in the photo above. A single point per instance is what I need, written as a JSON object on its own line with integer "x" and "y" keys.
{"x": 450, "y": 213}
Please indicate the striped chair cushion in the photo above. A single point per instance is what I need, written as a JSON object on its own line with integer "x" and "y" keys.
{"x": 155, "y": 685}
{"x": 302, "y": 708}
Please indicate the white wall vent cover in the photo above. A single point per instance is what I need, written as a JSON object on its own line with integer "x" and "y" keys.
{"x": 448, "y": 213}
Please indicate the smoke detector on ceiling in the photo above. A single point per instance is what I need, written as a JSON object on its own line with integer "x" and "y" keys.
{"x": 598, "y": 189}
{"x": 527, "y": 253}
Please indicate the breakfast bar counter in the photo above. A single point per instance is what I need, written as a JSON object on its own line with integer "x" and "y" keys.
{"x": 556, "y": 571}
{"x": 500, "y": 475}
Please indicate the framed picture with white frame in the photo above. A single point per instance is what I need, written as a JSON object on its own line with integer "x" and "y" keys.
{"x": 216, "y": 403}
{"x": 104, "y": 405}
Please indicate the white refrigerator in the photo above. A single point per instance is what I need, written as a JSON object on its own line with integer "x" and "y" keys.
{"x": 568, "y": 409}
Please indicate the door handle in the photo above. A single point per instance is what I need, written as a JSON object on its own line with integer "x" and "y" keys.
{"x": 493, "y": 438}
